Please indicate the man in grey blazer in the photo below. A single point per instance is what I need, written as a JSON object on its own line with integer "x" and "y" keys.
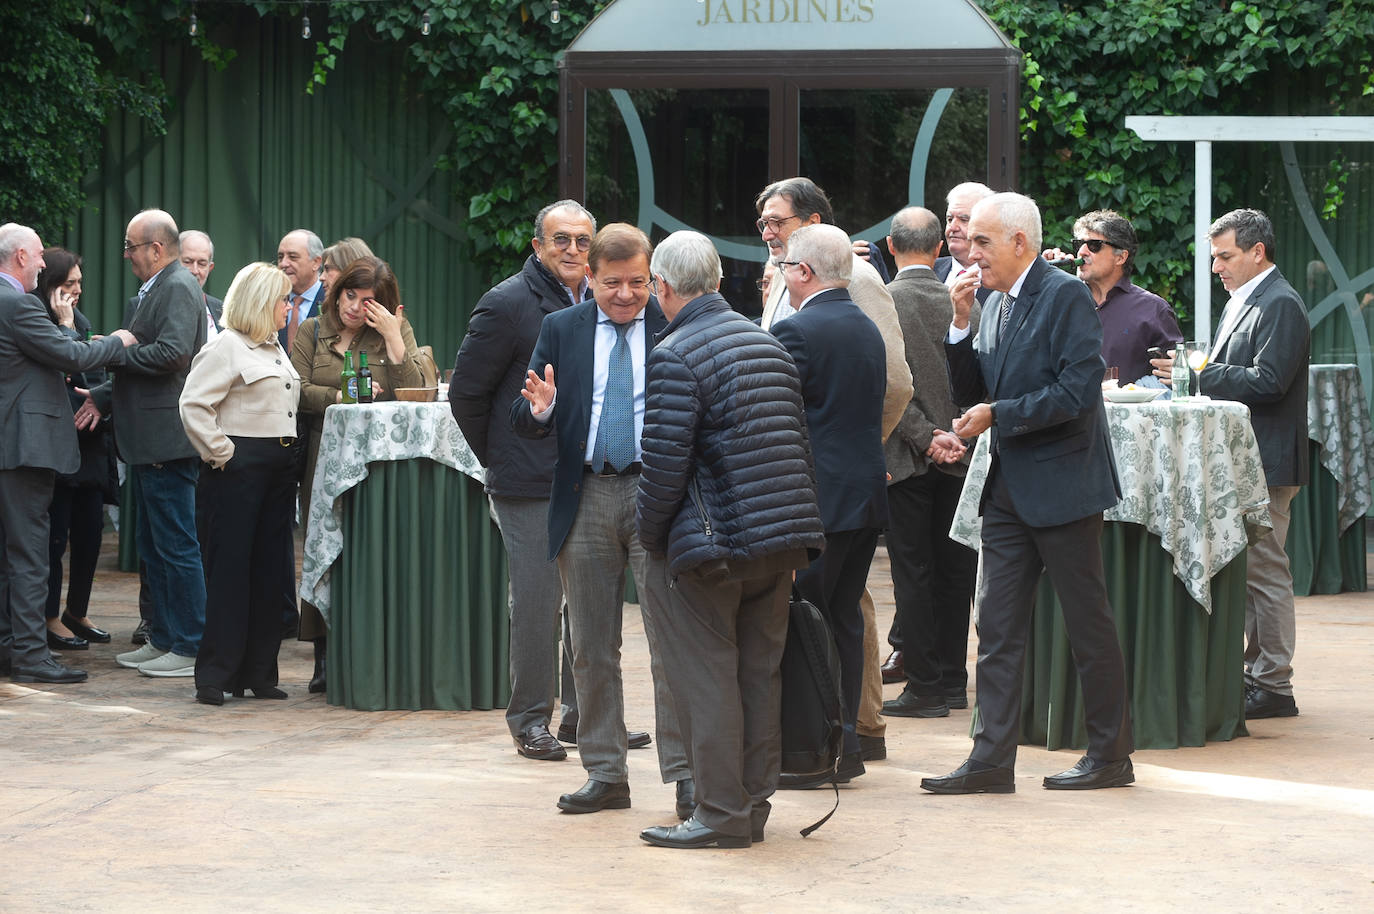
{"x": 1260, "y": 357}
{"x": 1037, "y": 362}
{"x": 170, "y": 323}
{"x": 37, "y": 441}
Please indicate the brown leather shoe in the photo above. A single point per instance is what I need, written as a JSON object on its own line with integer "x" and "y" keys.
{"x": 538, "y": 743}
{"x": 893, "y": 671}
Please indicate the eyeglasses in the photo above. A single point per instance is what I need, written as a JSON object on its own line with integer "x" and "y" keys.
{"x": 561, "y": 240}
{"x": 634, "y": 285}
{"x": 792, "y": 263}
{"x": 129, "y": 247}
{"x": 773, "y": 223}
{"x": 762, "y": 284}
{"x": 1094, "y": 244}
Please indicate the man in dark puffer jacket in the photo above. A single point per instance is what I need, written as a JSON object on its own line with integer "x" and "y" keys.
{"x": 726, "y": 510}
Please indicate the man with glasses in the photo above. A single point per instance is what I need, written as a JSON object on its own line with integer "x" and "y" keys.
{"x": 585, "y": 387}
{"x": 1133, "y": 320}
{"x": 169, "y": 319}
{"x": 783, "y": 207}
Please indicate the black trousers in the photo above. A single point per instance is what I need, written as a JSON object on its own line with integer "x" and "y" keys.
{"x": 932, "y": 581}
{"x": 834, "y": 583}
{"x": 1014, "y": 554}
{"x": 247, "y": 508}
{"x": 77, "y": 516}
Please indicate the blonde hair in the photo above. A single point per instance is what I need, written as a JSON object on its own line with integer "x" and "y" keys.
{"x": 250, "y": 306}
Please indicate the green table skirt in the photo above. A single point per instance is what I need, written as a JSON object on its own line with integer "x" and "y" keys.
{"x": 419, "y": 594}
{"x": 1184, "y": 668}
{"x": 1323, "y": 559}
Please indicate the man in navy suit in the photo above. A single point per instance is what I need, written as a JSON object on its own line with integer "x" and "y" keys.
{"x": 1260, "y": 357}
{"x": 300, "y": 256}
{"x": 1037, "y": 362}
{"x": 842, "y": 361}
{"x": 586, "y": 384}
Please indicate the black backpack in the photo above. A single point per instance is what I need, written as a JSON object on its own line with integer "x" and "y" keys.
{"x": 812, "y": 721}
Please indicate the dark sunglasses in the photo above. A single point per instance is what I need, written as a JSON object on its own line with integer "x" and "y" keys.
{"x": 1094, "y": 244}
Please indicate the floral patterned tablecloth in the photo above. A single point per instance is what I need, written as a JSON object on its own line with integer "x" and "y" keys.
{"x": 1190, "y": 473}
{"x": 353, "y": 437}
{"x": 1338, "y": 420}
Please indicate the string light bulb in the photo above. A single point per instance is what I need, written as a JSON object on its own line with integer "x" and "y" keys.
{"x": 195, "y": 25}
{"x": 554, "y": 15}
{"x": 424, "y": 24}
{"x": 88, "y": 18}
{"x": 305, "y": 27}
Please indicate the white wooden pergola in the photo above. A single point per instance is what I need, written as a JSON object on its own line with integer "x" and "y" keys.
{"x": 1202, "y": 132}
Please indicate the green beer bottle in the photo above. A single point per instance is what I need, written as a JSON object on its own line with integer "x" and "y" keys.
{"x": 348, "y": 380}
{"x": 364, "y": 379}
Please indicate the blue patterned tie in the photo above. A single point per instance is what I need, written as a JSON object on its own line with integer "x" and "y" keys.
{"x": 615, "y": 435}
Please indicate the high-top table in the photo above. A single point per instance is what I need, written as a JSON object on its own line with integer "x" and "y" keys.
{"x": 403, "y": 561}
{"x": 1326, "y": 539}
{"x": 1193, "y": 500}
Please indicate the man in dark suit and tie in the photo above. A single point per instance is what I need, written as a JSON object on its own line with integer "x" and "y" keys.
{"x": 1260, "y": 357}
{"x": 300, "y": 256}
{"x": 1037, "y": 361}
{"x": 842, "y": 361}
{"x": 586, "y": 383}
{"x": 198, "y": 256}
{"x": 39, "y": 441}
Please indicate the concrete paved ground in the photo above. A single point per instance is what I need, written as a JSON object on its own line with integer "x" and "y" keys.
{"x": 123, "y": 794}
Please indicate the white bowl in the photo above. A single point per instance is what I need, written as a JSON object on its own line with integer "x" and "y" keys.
{"x": 1137, "y": 395}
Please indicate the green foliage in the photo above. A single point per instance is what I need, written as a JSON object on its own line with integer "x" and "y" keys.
{"x": 1090, "y": 64}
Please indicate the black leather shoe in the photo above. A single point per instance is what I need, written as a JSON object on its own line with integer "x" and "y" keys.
{"x": 686, "y": 798}
{"x": 317, "y": 678}
{"x": 268, "y": 692}
{"x": 82, "y": 630}
{"x": 973, "y": 777}
{"x": 909, "y": 704}
{"x": 1090, "y": 774}
{"x": 691, "y": 834}
{"x": 596, "y": 796}
{"x": 140, "y": 635}
{"x": 758, "y": 818}
{"x": 47, "y": 671}
{"x": 57, "y": 642}
{"x": 872, "y": 748}
{"x": 209, "y": 695}
{"x": 537, "y": 743}
{"x": 1261, "y": 703}
{"x": 956, "y": 699}
{"x": 894, "y": 670}
{"x": 634, "y": 739}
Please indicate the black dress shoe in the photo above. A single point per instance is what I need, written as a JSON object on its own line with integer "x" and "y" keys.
{"x": 82, "y": 630}
{"x": 47, "y": 671}
{"x": 634, "y": 739}
{"x": 973, "y": 777}
{"x": 691, "y": 834}
{"x": 57, "y": 642}
{"x": 909, "y": 704}
{"x": 268, "y": 692}
{"x": 1090, "y": 774}
{"x": 210, "y": 695}
{"x": 317, "y": 678}
{"x": 140, "y": 635}
{"x": 686, "y": 798}
{"x": 1261, "y": 703}
{"x": 596, "y": 796}
{"x": 872, "y": 748}
{"x": 537, "y": 743}
{"x": 758, "y": 818}
{"x": 956, "y": 699}
{"x": 894, "y": 670}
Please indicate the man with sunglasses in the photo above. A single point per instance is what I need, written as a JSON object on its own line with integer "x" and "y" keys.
{"x": 1133, "y": 320}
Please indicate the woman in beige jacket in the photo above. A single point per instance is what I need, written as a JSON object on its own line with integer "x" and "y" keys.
{"x": 239, "y": 409}
{"x": 362, "y": 313}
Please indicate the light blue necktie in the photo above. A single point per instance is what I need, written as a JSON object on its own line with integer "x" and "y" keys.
{"x": 615, "y": 434}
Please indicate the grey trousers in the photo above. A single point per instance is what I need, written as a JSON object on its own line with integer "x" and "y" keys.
{"x": 535, "y": 605}
{"x": 1270, "y": 619}
{"x": 25, "y": 493}
{"x": 725, "y": 627}
{"x": 592, "y": 563}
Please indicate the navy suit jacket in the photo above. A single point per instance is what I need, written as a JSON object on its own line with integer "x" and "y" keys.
{"x": 842, "y": 361}
{"x": 567, "y": 341}
{"x": 1051, "y": 437}
{"x": 312, "y": 309}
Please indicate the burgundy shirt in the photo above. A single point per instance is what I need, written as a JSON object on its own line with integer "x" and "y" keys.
{"x": 1133, "y": 320}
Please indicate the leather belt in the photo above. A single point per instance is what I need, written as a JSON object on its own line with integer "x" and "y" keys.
{"x": 607, "y": 470}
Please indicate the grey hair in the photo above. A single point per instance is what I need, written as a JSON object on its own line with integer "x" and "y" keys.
{"x": 826, "y": 249}
{"x": 1251, "y": 226}
{"x": 314, "y": 247}
{"x": 197, "y": 233}
{"x": 13, "y": 236}
{"x": 978, "y": 192}
{"x": 916, "y": 230}
{"x": 688, "y": 262}
{"x": 1115, "y": 228}
{"x": 561, "y": 204}
{"x": 1017, "y": 213}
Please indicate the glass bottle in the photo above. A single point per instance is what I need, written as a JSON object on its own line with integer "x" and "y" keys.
{"x": 364, "y": 379}
{"x": 1181, "y": 378}
{"x": 348, "y": 380}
